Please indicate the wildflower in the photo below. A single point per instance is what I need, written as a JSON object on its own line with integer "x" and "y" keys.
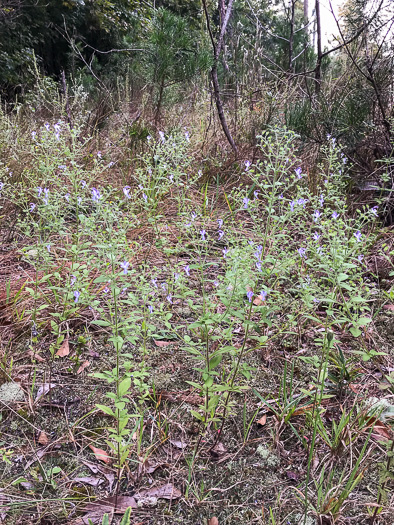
{"x": 203, "y": 233}
{"x": 245, "y": 203}
{"x": 199, "y": 173}
{"x": 79, "y": 200}
{"x": 302, "y": 202}
{"x": 188, "y": 225}
{"x": 124, "y": 265}
{"x": 258, "y": 266}
{"x": 32, "y": 206}
{"x": 83, "y": 183}
{"x": 193, "y": 215}
{"x": 216, "y": 283}
{"x": 140, "y": 186}
{"x": 96, "y": 196}
{"x": 126, "y": 191}
{"x": 325, "y": 181}
{"x": 292, "y": 204}
{"x": 1, "y": 185}
{"x": 150, "y": 307}
{"x": 247, "y": 164}
{"x": 99, "y": 154}
{"x": 171, "y": 178}
{"x": 161, "y": 135}
{"x": 315, "y": 300}
{"x": 316, "y": 236}
{"x": 57, "y": 127}
{"x": 57, "y": 135}
{"x": 187, "y": 136}
{"x": 319, "y": 250}
{"x": 73, "y": 280}
{"x": 169, "y": 298}
{"x": 302, "y": 252}
{"x": 76, "y": 295}
{"x": 145, "y": 197}
{"x": 256, "y": 194}
{"x": 316, "y": 215}
{"x": 154, "y": 282}
{"x": 374, "y": 211}
{"x": 62, "y": 167}
{"x": 221, "y": 233}
{"x": 357, "y": 235}
{"x": 250, "y": 295}
{"x": 33, "y": 135}
{"x": 48, "y": 247}
{"x": 187, "y": 270}
{"x": 225, "y": 252}
{"x": 46, "y": 196}
{"x": 47, "y": 126}
{"x": 360, "y": 258}
{"x": 263, "y": 295}
{"x": 176, "y": 276}
{"x": 335, "y": 215}
{"x": 39, "y": 190}
{"x": 67, "y": 197}
{"x": 106, "y": 289}
{"x": 298, "y": 172}
{"x": 148, "y": 138}
{"x": 220, "y": 222}
{"x": 280, "y": 196}
{"x": 321, "y": 200}
{"x": 164, "y": 286}
{"x": 111, "y": 164}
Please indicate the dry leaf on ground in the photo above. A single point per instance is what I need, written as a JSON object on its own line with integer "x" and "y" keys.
{"x": 64, "y": 349}
{"x": 44, "y": 389}
{"x": 43, "y": 438}
{"x": 108, "y": 505}
{"x": 95, "y": 517}
{"x": 100, "y": 454}
{"x": 84, "y": 365}
{"x": 262, "y": 421}
{"x": 167, "y": 491}
{"x": 162, "y": 344}
{"x": 89, "y": 480}
{"x": 213, "y": 521}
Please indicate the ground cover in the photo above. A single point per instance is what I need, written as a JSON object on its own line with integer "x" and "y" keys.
{"x": 196, "y": 352}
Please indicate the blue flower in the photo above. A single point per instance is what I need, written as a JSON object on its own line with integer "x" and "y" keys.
{"x": 169, "y": 298}
{"x": 302, "y": 252}
{"x": 292, "y": 204}
{"x": 225, "y": 252}
{"x": 154, "y": 282}
{"x": 150, "y": 307}
{"x": 39, "y": 191}
{"x": 176, "y": 276}
{"x": 220, "y": 223}
{"x": 335, "y": 215}
{"x": 125, "y": 265}
{"x": 96, "y": 196}
{"x": 256, "y": 194}
{"x": 263, "y": 295}
{"x": 76, "y": 296}
{"x": 161, "y": 135}
{"x": 203, "y": 233}
{"x": 32, "y": 206}
{"x": 360, "y": 258}
{"x": 221, "y": 233}
{"x": 249, "y": 295}
{"x": 187, "y": 136}
{"x": 106, "y": 289}
{"x": 316, "y": 236}
{"x": 48, "y": 247}
{"x": 33, "y": 135}
{"x": 83, "y": 183}
{"x": 258, "y": 266}
{"x": 299, "y": 173}
{"x": 245, "y": 203}
{"x": 358, "y": 235}
{"x": 247, "y": 164}
{"x": 321, "y": 200}
{"x": 316, "y": 215}
{"x": 145, "y": 197}
{"x": 187, "y": 270}
{"x": 126, "y": 191}
{"x": 73, "y": 280}
{"x": 374, "y": 211}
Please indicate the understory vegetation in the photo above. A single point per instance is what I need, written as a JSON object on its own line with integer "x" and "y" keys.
{"x": 196, "y": 299}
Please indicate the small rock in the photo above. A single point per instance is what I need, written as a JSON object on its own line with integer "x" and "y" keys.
{"x": 11, "y": 393}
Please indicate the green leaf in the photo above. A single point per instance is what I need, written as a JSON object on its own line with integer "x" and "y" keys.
{"x": 105, "y": 519}
{"x": 356, "y": 332}
{"x": 124, "y": 386}
{"x": 106, "y": 410}
{"x": 126, "y": 517}
{"x": 101, "y": 323}
{"x": 216, "y": 359}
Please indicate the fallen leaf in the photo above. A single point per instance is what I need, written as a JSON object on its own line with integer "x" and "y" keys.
{"x": 389, "y": 307}
{"x": 35, "y": 356}
{"x": 218, "y": 450}
{"x": 259, "y": 300}
{"x": 89, "y": 480}
{"x": 43, "y": 438}
{"x": 162, "y": 344}
{"x": 213, "y": 521}
{"x": 178, "y": 444}
{"x": 167, "y": 491}
{"x": 379, "y": 428}
{"x": 94, "y": 354}
{"x": 44, "y": 389}
{"x": 292, "y": 475}
{"x": 84, "y": 365}
{"x": 64, "y": 349}
{"x": 262, "y": 420}
{"x": 95, "y": 517}
{"x": 108, "y": 505}
{"x": 100, "y": 454}
{"x": 105, "y": 471}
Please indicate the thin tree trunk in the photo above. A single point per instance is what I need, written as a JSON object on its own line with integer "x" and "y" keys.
{"x": 319, "y": 49}
{"x": 217, "y": 48}
{"x": 291, "y": 38}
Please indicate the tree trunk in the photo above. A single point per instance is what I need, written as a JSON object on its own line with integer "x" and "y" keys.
{"x": 319, "y": 49}
{"x": 291, "y": 38}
